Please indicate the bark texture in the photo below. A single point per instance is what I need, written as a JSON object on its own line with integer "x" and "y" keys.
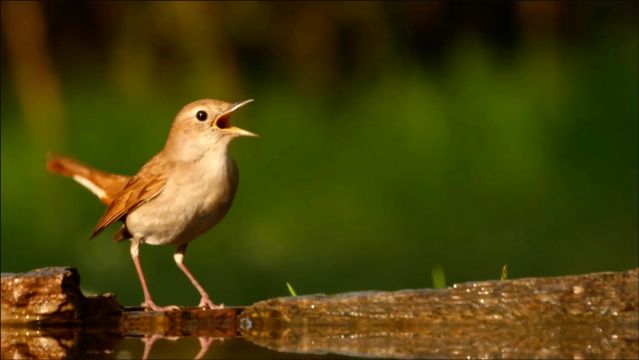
{"x": 583, "y": 316}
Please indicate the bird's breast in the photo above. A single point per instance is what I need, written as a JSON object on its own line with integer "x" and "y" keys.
{"x": 195, "y": 198}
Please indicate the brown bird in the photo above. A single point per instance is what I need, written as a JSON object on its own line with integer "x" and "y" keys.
{"x": 176, "y": 196}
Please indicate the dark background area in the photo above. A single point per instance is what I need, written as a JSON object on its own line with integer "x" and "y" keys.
{"x": 400, "y": 143}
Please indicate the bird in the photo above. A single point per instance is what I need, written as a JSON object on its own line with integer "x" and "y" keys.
{"x": 181, "y": 192}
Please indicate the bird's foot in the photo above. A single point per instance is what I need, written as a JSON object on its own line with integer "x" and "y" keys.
{"x": 150, "y": 305}
{"x": 207, "y": 303}
{"x": 205, "y": 343}
{"x": 149, "y": 341}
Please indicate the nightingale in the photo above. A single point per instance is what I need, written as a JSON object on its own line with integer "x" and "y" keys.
{"x": 180, "y": 193}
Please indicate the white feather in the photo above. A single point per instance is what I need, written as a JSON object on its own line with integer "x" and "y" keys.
{"x": 96, "y": 190}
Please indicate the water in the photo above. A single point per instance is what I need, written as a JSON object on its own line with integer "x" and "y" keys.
{"x": 390, "y": 340}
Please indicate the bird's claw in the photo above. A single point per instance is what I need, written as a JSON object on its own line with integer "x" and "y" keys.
{"x": 205, "y": 343}
{"x": 149, "y": 341}
{"x": 206, "y": 302}
{"x": 150, "y": 305}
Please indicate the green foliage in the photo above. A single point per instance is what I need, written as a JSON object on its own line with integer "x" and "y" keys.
{"x": 291, "y": 290}
{"x": 439, "y": 277}
{"x": 504, "y": 272}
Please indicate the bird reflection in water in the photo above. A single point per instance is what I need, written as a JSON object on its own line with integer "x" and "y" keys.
{"x": 149, "y": 341}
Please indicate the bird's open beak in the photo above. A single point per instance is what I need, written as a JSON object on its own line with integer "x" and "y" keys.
{"x": 224, "y": 124}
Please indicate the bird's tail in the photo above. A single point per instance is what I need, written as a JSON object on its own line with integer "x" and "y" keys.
{"x": 102, "y": 184}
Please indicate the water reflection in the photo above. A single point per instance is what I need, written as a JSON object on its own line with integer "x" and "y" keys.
{"x": 481, "y": 340}
{"x": 149, "y": 341}
{"x": 434, "y": 341}
{"x": 21, "y": 342}
{"x": 77, "y": 343}
{"x": 191, "y": 347}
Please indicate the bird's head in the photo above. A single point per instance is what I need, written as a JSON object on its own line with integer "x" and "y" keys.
{"x": 204, "y": 125}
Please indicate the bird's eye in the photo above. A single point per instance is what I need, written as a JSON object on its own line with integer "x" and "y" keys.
{"x": 201, "y": 115}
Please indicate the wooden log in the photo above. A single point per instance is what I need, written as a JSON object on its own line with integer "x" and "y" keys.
{"x": 44, "y": 314}
{"x": 52, "y": 295}
{"x": 593, "y": 315}
{"x": 187, "y": 321}
{"x": 606, "y": 296}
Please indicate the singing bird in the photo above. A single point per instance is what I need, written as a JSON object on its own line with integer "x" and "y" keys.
{"x": 180, "y": 193}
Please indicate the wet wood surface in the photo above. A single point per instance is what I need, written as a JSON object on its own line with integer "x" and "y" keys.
{"x": 44, "y": 315}
{"x": 585, "y": 316}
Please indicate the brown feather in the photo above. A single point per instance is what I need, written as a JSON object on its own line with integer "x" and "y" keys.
{"x": 144, "y": 186}
{"x": 122, "y": 233}
{"x": 110, "y": 184}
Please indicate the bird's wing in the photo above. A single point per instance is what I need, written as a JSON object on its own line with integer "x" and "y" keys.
{"x": 144, "y": 186}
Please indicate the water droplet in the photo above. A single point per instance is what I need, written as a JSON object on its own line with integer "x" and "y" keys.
{"x": 246, "y": 324}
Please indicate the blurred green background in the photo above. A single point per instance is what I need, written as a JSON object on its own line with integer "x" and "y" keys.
{"x": 398, "y": 140}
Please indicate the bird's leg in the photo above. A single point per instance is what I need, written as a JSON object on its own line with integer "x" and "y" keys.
{"x": 148, "y": 301}
{"x": 205, "y": 302}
